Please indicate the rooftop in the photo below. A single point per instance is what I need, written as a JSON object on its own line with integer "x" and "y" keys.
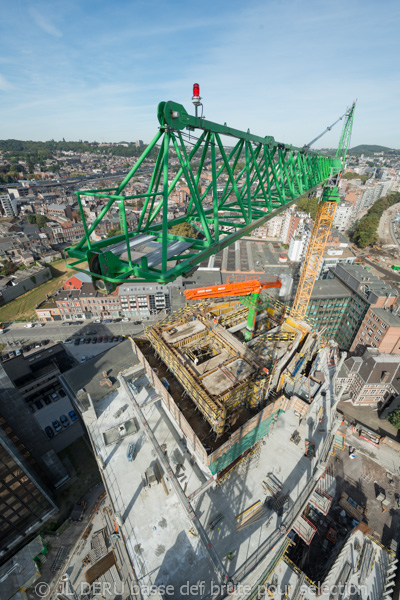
{"x": 330, "y": 288}
{"x": 387, "y": 316}
{"x": 88, "y": 376}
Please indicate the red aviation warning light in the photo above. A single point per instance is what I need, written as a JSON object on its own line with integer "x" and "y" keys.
{"x": 196, "y": 99}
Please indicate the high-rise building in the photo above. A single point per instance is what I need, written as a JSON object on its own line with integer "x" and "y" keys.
{"x": 25, "y": 502}
{"x": 8, "y": 205}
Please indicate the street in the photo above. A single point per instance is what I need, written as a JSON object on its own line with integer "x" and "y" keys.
{"x": 16, "y": 334}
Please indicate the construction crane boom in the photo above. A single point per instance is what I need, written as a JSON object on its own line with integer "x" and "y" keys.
{"x": 323, "y": 223}
{"x": 252, "y": 287}
{"x": 227, "y": 191}
{"x": 239, "y": 288}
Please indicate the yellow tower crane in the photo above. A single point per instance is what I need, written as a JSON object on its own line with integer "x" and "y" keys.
{"x": 324, "y": 218}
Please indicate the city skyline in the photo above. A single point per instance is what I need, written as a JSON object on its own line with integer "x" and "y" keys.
{"x": 97, "y": 72}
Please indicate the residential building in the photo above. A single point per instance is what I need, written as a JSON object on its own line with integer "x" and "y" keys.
{"x": 372, "y": 379}
{"x": 367, "y": 290}
{"x": 139, "y": 300}
{"x": 334, "y": 256}
{"x": 80, "y": 300}
{"x": 8, "y": 205}
{"x": 379, "y": 329}
{"x": 55, "y": 211}
{"x": 343, "y": 216}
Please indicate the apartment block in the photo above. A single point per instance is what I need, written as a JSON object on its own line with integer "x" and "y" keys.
{"x": 379, "y": 329}
{"x": 80, "y": 300}
{"x": 372, "y": 379}
{"x": 367, "y": 291}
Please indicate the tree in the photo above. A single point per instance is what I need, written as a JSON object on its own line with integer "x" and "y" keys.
{"x": 113, "y": 232}
{"x": 184, "y": 230}
{"x": 9, "y": 268}
{"x": 394, "y": 418}
{"x": 308, "y": 205}
{"x": 41, "y": 220}
{"x": 32, "y": 219}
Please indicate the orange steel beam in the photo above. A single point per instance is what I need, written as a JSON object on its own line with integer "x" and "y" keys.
{"x": 240, "y": 288}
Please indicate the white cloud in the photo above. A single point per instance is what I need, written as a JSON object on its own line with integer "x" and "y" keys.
{"x": 44, "y": 23}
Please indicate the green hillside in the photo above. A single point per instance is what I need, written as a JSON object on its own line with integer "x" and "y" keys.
{"x": 370, "y": 149}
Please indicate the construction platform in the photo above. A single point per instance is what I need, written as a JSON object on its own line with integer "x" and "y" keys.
{"x": 226, "y": 394}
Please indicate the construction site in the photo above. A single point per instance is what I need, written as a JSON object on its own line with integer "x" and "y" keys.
{"x": 216, "y": 449}
{"x": 226, "y": 393}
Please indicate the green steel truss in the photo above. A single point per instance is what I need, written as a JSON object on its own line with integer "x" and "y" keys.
{"x": 232, "y": 190}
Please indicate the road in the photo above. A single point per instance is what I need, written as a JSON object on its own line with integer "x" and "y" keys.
{"x": 16, "y": 334}
{"x": 385, "y": 227}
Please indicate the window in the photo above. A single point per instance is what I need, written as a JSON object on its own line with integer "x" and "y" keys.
{"x": 379, "y": 332}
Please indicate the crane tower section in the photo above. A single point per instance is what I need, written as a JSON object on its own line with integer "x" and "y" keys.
{"x": 323, "y": 223}
{"x": 229, "y": 190}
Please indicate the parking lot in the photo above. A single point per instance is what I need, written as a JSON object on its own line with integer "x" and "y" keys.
{"x": 49, "y": 413}
{"x": 88, "y": 349}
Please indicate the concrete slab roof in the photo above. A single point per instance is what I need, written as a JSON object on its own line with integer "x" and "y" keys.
{"x": 227, "y": 376}
{"x": 88, "y": 376}
{"x": 181, "y": 332}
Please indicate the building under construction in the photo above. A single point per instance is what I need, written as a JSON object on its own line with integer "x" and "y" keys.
{"x": 223, "y": 392}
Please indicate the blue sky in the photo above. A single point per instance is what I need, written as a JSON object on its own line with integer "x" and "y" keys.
{"x": 96, "y": 70}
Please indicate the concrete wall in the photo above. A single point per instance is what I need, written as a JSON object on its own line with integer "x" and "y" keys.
{"x": 32, "y": 281}
{"x": 172, "y": 407}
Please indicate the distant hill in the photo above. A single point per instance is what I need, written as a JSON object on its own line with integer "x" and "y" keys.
{"x": 370, "y": 149}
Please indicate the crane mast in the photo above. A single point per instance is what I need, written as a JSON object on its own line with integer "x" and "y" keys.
{"x": 323, "y": 221}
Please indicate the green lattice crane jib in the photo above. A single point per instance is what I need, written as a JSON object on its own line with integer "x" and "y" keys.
{"x": 231, "y": 190}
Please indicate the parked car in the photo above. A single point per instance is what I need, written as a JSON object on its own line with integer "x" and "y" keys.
{"x": 94, "y": 340}
{"x": 105, "y": 340}
{"x": 49, "y": 431}
{"x": 28, "y": 325}
{"x": 56, "y": 425}
{"x": 61, "y": 393}
{"x": 83, "y": 359}
{"x": 88, "y": 340}
{"x": 97, "y": 321}
{"x": 68, "y": 341}
{"x": 64, "y": 420}
{"x": 90, "y": 356}
{"x": 39, "y": 325}
{"x": 17, "y": 352}
{"x": 76, "y": 342}
{"x": 121, "y": 338}
{"x": 100, "y": 339}
{"x": 66, "y": 323}
{"x": 115, "y": 338}
{"x": 72, "y": 415}
{"x": 137, "y": 322}
{"x": 82, "y": 340}
{"x": 125, "y": 320}
{"x": 47, "y": 400}
{"x": 38, "y": 404}
{"x": 54, "y": 396}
